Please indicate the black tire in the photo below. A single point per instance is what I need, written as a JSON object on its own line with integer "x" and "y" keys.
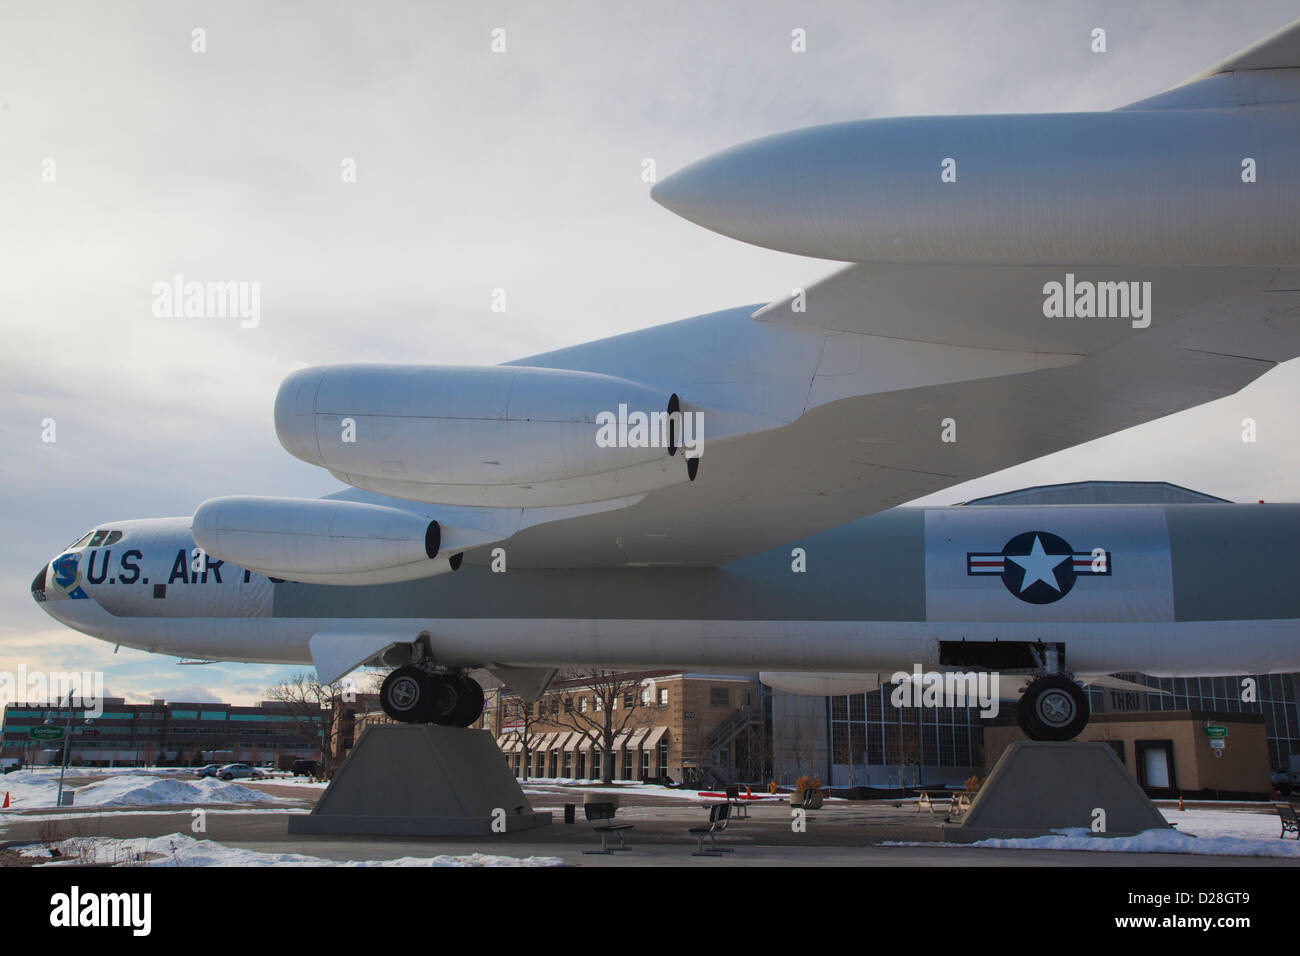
{"x": 1053, "y": 708}
{"x": 1024, "y": 719}
{"x": 407, "y": 695}
{"x": 469, "y": 700}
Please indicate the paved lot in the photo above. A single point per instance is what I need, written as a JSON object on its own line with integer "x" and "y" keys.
{"x": 843, "y": 833}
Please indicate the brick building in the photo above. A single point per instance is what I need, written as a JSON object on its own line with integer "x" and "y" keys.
{"x": 672, "y": 725}
{"x": 160, "y": 733}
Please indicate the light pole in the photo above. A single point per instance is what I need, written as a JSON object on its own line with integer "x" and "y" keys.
{"x": 67, "y": 748}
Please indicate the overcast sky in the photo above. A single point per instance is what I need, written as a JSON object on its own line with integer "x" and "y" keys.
{"x": 474, "y": 171}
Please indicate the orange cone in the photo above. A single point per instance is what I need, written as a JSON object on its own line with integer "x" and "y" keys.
{"x": 6, "y": 806}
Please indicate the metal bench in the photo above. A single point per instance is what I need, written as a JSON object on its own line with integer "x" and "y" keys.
{"x": 597, "y": 812}
{"x": 719, "y": 815}
{"x": 1290, "y": 824}
{"x": 733, "y": 798}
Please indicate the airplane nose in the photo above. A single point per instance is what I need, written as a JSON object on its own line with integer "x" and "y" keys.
{"x": 38, "y": 583}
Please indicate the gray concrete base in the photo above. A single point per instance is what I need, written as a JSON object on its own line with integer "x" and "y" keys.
{"x": 1038, "y": 786}
{"x": 419, "y": 780}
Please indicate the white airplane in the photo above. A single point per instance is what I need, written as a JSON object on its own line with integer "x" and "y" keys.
{"x": 719, "y": 492}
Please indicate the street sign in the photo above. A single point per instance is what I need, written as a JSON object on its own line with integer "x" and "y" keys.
{"x": 1217, "y": 743}
{"x": 46, "y": 733}
{"x": 1216, "y": 730}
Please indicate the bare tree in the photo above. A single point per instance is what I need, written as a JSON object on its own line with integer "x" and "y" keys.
{"x": 596, "y": 720}
{"x": 520, "y": 711}
{"x": 315, "y": 709}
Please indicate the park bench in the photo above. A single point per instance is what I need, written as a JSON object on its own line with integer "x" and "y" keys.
{"x": 733, "y": 798}
{"x": 1286, "y": 813}
{"x": 601, "y": 818}
{"x": 719, "y": 815}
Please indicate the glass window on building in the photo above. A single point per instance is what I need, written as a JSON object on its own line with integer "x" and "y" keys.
{"x": 663, "y": 756}
{"x": 645, "y": 763}
{"x": 627, "y": 764}
{"x": 663, "y": 696}
{"x": 719, "y": 697}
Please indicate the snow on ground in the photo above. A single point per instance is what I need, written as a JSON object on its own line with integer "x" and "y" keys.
{"x": 1200, "y": 832}
{"x": 28, "y": 791}
{"x": 1225, "y": 823}
{"x": 1153, "y": 841}
{"x": 179, "y": 849}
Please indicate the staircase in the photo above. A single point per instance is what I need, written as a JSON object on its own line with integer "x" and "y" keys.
{"x": 724, "y": 736}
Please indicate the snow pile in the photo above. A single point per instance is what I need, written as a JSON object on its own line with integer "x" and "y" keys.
{"x": 31, "y": 791}
{"x": 1153, "y": 841}
{"x": 179, "y": 849}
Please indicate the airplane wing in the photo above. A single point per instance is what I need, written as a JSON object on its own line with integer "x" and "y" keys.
{"x": 1213, "y": 330}
{"x": 962, "y": 315}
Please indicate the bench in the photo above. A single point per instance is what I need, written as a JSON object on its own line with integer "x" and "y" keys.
{"x": 1286, "y": 813}
{"x": 926, "y": 800}
{"x": 733, "y": 798}
{"x": 719, "y": 814}
{"x": 601, "y": 818}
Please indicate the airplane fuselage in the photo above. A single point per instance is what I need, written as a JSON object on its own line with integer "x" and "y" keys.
{"x": 1192, "y": 589}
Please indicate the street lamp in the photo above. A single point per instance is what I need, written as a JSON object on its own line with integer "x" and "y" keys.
{"x": 67, "y": 748}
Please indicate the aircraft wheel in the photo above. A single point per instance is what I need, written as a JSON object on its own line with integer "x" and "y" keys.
{"x": 1053, "y": 708}
{"x": 469, "y": 700}
{"x": 408, "y": 695}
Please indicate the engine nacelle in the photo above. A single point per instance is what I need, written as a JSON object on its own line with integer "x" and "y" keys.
{"x": 505, "y": 435}
{"x": 322, "y": 541}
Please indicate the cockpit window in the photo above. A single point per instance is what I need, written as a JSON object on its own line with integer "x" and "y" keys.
{"x": 99, "y": 538}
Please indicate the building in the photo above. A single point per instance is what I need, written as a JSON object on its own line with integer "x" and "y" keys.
{"x": 678, "y": 727}
{"x": 161, "y": 733}
{"x": 1191, "y": 753}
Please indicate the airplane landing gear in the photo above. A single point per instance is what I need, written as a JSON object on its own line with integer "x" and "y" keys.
{"x": 1053, "y": 707}
{"x": 412, "y": 695}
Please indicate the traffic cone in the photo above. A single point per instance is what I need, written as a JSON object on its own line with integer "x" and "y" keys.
{"x": 6, "y": 806}
{"x": 1180, "y": 801}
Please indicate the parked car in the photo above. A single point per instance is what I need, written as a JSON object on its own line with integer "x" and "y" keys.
{"x": 240, "y": 771}
{"x": 209, "y": 771}
{"x": 304, "y": 768}
{"x": 1286, "y": 781}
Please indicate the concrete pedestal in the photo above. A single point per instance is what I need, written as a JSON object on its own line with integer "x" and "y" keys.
{"x": 420, "y": 780}
{"x": 1037, "y": 787}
